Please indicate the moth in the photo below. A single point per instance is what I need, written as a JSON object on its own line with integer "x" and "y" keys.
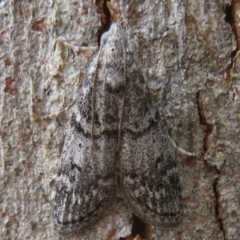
{"x": 117, "y": 142}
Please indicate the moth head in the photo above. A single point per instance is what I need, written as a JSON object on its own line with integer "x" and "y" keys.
{"x": 113, "y": 43}
{"x": 113, "y": 57}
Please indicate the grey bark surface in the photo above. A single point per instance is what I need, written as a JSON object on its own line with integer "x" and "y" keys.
{"x": 188, "y": 53}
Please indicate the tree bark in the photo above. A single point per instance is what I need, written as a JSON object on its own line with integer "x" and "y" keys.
{"x": 188, "y": 53}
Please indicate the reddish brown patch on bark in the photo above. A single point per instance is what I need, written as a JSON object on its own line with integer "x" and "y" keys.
{"x": 7, "y": 62}
{"x": 10, "y": 86}
{"x": 38, "y": 25}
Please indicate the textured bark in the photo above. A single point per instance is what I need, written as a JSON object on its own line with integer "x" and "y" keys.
{"x": 188, "y": 53}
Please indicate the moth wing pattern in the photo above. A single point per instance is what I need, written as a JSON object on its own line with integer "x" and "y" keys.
{"x": 115, "y": 108}
{"x": 81, "y": 199}
{"x": 149, "y": 173}
{"x": 86, "y": 182}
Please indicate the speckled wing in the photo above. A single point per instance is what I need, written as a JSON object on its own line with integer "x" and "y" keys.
{"x": 86, "y": 183}
{"x": 85, "y": 186}
{"x": 150, "y": 181}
